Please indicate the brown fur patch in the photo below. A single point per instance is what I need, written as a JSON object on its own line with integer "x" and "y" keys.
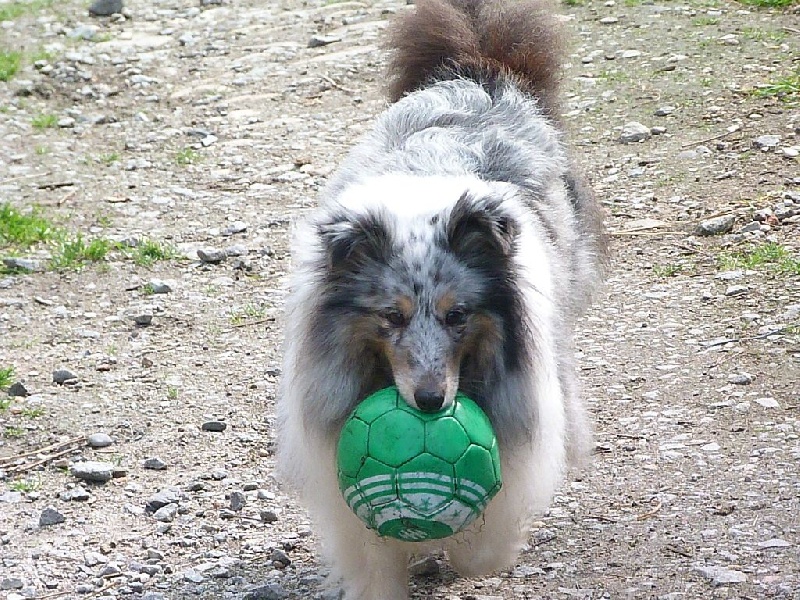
{"x": 514, "y": 39}
{"x": 444, "y": 303}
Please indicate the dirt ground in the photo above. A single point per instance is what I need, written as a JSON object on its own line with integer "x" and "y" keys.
{"x": 212, "y": 125}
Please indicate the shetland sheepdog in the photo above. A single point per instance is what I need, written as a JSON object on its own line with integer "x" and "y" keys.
{"x": 454, "y": 249}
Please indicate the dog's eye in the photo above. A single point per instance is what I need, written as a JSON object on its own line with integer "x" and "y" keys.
{"x": 395, "y": 318}
{"x": 455, "y": 317}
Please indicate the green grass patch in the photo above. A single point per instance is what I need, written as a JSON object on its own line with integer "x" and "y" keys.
{"x": 668, "y": 270}
{"x": 770, "y": 3}
{"x": 249, "y": 312}
{"x": 32, "y": 412}
{"x": 763, "y": 35}
{"x": 9, "y": 64}
{"x": 24, "y": 485}
{"x": 6, "y": 376}
{"x": 187, "y": 156}
{"x": 13, "y": 10}
{"x": 44, "y": 121}
{"x": 150, "y": 251}
{"x": 770, "y": 255}
{"x": 109, "y": 159}
{"x": 786, "y": 89}
{"x": 14, "y": 432}
{"x": 75, "y": 253}
{"x": 22, "y": 230}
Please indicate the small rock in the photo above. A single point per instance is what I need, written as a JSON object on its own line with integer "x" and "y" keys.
{"x": 236, "y": 250}
{"x": 12, "y": 583}
{"x": 214, "y": 426}
{"x": 99, "y": 440}
{"x": 751, "y": 227}
{"x": 767, "y": 142}
{"x": 159, "y": 287}
{"x": 155, "y": 464}
{"x": 740, "y": 378}
{"x": 634, "y": 132}
{"x": 238, "y": 501}
{"x": 105, "y": 8}
{"x": 143, "y": 319}
{"x": 193, "y": 576}
{"x": 18, "y": 390}
{"x": 736, "y": 290}
{"x": 279, "y": 558}
{"x": 317, "y": 41}
{"x": 268, "y": 516}
{"x": 721, "y": 575}
{"x": 14, "y": 263}
{"x": 663, "y": 111}
{"x": 716, "y": 226}
{"x": 50, "y": 516}
{"x": 767, "y": 402}
{"x": 211, "y": 256}
{"x": 11, "y": 497}
{"x": 427, "y": 567}
{"x": 609, "y": 20}
{"x": 270, "y": 591}
{"x": 161, "y": 499}
{"x": 61, "y": 376}
{"x": 774, "y": 543}
{"x": 77, "y": 494}
{"x": 166, "y": 514}
{"x": 93, "y": 471}
{"x": 235, "y": 227}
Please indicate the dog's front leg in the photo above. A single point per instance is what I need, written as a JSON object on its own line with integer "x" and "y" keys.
{"x": 365, "y": 566}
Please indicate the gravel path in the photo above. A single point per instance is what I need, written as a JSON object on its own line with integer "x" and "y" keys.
{"x": 188, "y": 135}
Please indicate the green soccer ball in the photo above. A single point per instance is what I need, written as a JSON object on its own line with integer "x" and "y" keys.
{"x": 417, "y": 476}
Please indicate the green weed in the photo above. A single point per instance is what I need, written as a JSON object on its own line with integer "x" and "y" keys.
{"x": 24, "y": 485}
{"x": 668, "y": 270}
{"x": 109, "y": 158}
{"x": 187, "y": 156}
{"x": 12, "y": 10}
{"x": 9, "y": 64}
{"x": 768, "y": 255}
{"x": 769, "y": 3}
{"x": 44, "y": 121}
{"x": 705, "y": 21}
{"x": 172, "y": 393}
{"x": 41, "y": 150}
{"x": 74, "y": 253}
{"x": 787, "y": 88}
{"x": 14, "y": 432}
{"x": 32, "y": 412}
{"x": 23, "y": 229}
{"x": 149, "y": 251}
{"x": 250, "y": 311}
{"x": 6, "y": 376}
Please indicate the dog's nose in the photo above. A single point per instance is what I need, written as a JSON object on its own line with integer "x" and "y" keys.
{"x": 428, "y": 401}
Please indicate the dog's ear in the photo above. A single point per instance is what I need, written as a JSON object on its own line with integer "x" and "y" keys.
{"x": 479, "y": 230}
{"x": 353, "y": 241}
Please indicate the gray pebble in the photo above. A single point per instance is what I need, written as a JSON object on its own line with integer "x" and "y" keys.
{"x": 212, "y": 256}
{"x": 99, "y": 440}
{"x": 238, "y": 501}
{"x": 159, "y": 287}
{"x": 50, "y": 516}
{"x": 12, "y": 583}
{"x": 61, "y": 376}
{"x": 663, "y": 111}
{"x": 736, "y": 290}
{"x": 767, "y": 142}
{"x": 18, "y": 390}
{"x": 166, "y": 514}
{"x": 634, "y": 132}
{"x": 609, "y": 20}
{"x": 751, "y": 227}
{"x": 235, "y": 227}
{"x": 716, "y": 226}
{"x": 427, "y": 567}
{"x": 11, "y": 497}
{"x": 740, "y": 378}
{"x": 77, "y": 494}
{"x": 214, "y": 426}
{"x": 143, "y": 319}
{"x": 236, "y": 250}
{"x": 193, "y": 576}
{"x": 279, "y": 558}
{"x": 161, "y": 499}
{"x": 93, "y": 471}
{"x": 155, "y": 464}
{"x": 219, "y": 474}
{"x": 21, "y": 264}
{"x": 721, "y": 575}
{"x": 270, "y": 591}
{"x": 317, "y": 41}
{"x": 268, "y": 516}
{"x": 105, "y": 8}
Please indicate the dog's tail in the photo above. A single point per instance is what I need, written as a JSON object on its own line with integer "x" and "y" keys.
{"x": 484, "y": 40}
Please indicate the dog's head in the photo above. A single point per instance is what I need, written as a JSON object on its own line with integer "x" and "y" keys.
{"x": 428, "y": 300}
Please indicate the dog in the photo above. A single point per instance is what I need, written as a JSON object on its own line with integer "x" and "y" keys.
{"x": 454, "y": 249}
